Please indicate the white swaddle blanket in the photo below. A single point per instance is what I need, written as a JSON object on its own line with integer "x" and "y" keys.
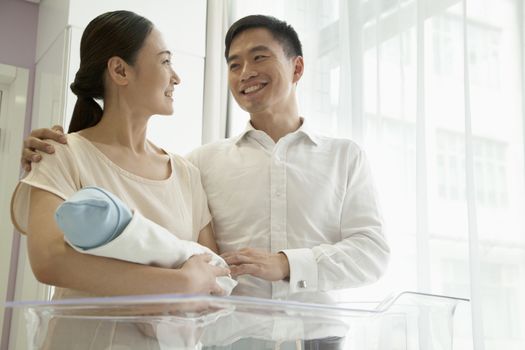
{"x": 148, "y": 243}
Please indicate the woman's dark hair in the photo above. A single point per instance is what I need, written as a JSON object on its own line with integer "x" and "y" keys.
{"x": 280, "y": 30}
{"x": 117, "y": 33}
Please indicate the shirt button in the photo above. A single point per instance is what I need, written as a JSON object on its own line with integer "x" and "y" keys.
{"x": 302, "y": 284}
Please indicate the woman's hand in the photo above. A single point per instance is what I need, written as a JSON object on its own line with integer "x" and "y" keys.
{"x": 201, "y": 276}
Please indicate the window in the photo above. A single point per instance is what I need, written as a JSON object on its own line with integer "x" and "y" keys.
{"x": 490, "y": 169}
{"x": 364, "y": 78}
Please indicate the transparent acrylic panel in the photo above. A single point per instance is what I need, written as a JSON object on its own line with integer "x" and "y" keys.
{"x": 403, "y": 321}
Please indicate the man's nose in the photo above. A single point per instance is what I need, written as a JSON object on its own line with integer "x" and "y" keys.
{"x": 248, "y": 72}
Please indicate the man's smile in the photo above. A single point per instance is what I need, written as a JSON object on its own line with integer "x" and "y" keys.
{"x": 253, "y": 88}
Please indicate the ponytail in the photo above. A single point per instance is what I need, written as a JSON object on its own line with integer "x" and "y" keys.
{"x": 87, "y": 86}
{"x": 87, "y": 113}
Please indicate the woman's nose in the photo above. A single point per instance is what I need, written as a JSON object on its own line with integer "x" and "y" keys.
{"x": 175, "y": 79}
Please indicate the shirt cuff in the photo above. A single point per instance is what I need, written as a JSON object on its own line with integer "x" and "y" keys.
{"x": 303, "y": 270}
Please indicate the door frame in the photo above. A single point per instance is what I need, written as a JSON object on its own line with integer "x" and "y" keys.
{"x": 15, "y": 83}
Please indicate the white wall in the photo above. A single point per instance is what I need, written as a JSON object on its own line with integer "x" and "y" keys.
{"x": 14, "y": 84}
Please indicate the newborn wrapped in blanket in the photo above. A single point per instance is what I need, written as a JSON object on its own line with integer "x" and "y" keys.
{"x": 97, "y": 222}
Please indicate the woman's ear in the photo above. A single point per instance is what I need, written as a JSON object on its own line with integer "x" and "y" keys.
{"x": 118, "y": 70}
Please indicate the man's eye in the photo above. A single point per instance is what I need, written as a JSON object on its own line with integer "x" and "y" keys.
{"x": 259, "y": 57}
{"x": 167, "y": 62}
{"x": 233, "y": 66}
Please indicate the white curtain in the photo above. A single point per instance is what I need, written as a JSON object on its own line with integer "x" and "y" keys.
{"x": 432, "y": 89}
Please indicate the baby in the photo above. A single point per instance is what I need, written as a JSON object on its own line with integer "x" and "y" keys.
{"x": 97, "y": 222}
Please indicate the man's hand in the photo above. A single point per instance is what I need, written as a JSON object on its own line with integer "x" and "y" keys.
{"x": 34, "y": 142}
{"x": 258, "y": 263}
{"x": 201, "y": 276}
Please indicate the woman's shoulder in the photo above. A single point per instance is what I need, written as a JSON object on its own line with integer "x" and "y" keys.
{"x": 65, "y": 157}
{"x": 62, "y": 150}
{"x": 79, "y": 145}
{"x": 77, "y": 153}
{"x": 73, "y": 141}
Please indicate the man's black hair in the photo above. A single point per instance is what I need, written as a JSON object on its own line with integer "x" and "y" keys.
{"x": 280, "y": 30}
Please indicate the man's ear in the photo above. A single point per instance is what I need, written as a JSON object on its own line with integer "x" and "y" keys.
{"x": 118, "y": 70}
{"x": 298, "y": 71}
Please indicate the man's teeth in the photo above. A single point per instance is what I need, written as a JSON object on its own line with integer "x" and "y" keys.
{"x": 168, "y": 93}
{"x": 253, "y": 88}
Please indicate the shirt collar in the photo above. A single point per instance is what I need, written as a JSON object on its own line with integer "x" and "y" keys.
{"x": 303, "y": 129}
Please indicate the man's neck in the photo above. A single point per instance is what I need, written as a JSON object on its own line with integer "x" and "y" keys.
{"x": 276, "y": 125}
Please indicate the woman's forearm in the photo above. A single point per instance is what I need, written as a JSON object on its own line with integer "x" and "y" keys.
{"x": 55, "y": 263}
{"x": 105, "y": 276}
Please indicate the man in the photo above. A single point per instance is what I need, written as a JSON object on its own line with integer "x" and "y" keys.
{"x": 295, "y": 214}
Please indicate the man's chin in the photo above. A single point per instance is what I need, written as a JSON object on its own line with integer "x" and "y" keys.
{"x": 251, "y": 108}
{"x": 246, "y": 105}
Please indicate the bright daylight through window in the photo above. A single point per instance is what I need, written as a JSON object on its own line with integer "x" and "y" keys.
{"x": 404, "y": 78}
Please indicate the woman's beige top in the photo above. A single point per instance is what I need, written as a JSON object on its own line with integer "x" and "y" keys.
{"x": 178, "y": 203}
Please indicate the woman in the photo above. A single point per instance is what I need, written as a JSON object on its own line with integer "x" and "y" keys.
{"x": 124, "y": 62}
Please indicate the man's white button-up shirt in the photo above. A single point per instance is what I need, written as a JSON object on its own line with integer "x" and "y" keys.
{"x": 308, "y": 196}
